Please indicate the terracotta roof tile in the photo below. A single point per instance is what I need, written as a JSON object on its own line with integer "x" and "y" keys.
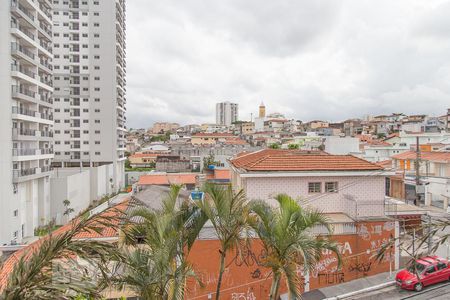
{"x": 167, "y": 179}
{"x": 136, "y": 155}
{"x": 431, "y": 156}
{"x": 297, "y": 160}
{"x": 216, "y": 134}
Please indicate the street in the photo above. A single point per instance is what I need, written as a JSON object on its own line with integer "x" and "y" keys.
{"x": 438, "y": 291}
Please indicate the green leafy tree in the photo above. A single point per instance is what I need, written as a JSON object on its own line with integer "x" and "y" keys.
{"x": 228, "y": 213}
{"x": 67, "y": 209}
{"x": 294, "y": 146}
{"x": 160, "y": 269}
{"x": 49, "y": 270}
{"x": 286, "y": 237}
{"x": 274, "y": 146}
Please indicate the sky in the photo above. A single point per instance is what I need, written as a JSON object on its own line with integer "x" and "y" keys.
{"x": 307, "y": 59}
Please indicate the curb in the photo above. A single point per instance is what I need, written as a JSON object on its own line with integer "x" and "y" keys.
{"x": 366, "y": 290}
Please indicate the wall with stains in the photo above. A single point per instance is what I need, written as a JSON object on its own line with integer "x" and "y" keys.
{"x": 246, "y": 279}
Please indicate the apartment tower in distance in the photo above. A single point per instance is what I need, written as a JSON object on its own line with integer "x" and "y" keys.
{"x": 226, "y": 113}
{"x": 89, "y": 88}
{"x": 26, "y": 120}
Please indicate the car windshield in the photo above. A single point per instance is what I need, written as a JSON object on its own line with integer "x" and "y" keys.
{"x": 419, "y": 267}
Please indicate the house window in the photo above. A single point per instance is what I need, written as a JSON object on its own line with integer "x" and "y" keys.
{"x": 314, "y": 187}
{"x": 331, "y": 187}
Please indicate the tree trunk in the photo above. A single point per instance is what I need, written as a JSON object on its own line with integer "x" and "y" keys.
{"x": 221, "y": 270}
{"x": 275, "y": 286}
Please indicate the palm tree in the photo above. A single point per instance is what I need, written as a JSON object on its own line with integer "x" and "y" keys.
{"x": 159, "y": 269}
{"x": 51, "y": 268}
{"x": 285, "y": 233}
{"x": 228, "y": 213}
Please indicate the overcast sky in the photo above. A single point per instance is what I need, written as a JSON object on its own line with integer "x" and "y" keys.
{"x": 312, "y": 59}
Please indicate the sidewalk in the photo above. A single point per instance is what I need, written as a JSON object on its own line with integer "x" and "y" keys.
{"x": 347, "y": 287}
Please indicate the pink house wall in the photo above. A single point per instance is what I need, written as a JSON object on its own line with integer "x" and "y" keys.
{"x": 358, "y": 196}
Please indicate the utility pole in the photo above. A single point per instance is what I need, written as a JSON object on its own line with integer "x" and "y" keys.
{"x": 417, "y": 167}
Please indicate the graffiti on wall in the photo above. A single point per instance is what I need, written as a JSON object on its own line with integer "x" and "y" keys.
{"x": 249, "y": 295}
{"x": 331, "y": 278}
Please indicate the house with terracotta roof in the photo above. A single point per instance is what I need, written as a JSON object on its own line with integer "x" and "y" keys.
{"x": 166, "y": 179}
{"x": 332, "y": 183}
{"x": 143, "y": 160}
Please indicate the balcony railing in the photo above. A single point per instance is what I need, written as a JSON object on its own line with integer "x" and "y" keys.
{"x": 16, "y": 4}
{"x": 22, "y": 90}
{"x": 47, "y": 133}
{"x": 46, "y": 46}
{"x": 17, "y": 47}
{"x": 46, "y": 116}
{"x": 47, "y": 151}
{"x": 46, "y": 169}
{"x": 23, "y": 111}
{"x": 23, "y": 70}
{"x": 45, "y": 64}
{"x": 46, "y": 98}
{"x": 45, "y": 28}
{"x": 22, "y": 29}
{"x": 45, "y": 80}
{"x": 24, "y": 172}
{"x": 45, "y": 10}
{"x": 24, "y": 131}
{"x": 23, "y": 152}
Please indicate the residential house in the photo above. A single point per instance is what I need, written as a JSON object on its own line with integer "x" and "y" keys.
{"x": 172, "y": 164}
{"x": 143, "y": 160}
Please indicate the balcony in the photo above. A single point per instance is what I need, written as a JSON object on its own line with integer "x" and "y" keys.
{"x": 45, "y": 64}
{"x": 46, "y": 29}
{"x": 23, "y": 93}
{"x": 23, "y": 111}
{"x": 23, "y": 70}
{"x": 23, "y": 132}
{"x": 46, "y": 46}
{"x": 47, "y": 116}
{"x": 17, "y": 49}
{"x": 45, "y": 10}
{"x": 24, "y": 172}
{"x": 45, "y": 80}
{"x": 46, "y": 169}
{"x": 22, "y": 29}
{"x": 47, "y": 133}
{"x": 46, "y": 98}
{"x": 16, "y": 6}
{"x": 29, "y": 152}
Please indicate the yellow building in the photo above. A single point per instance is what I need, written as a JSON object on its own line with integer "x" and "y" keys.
{"x": 262, "y": 110}
{"x": 210, "y": 138}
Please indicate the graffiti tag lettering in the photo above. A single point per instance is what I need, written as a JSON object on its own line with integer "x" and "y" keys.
{"x": 331, "y": 278}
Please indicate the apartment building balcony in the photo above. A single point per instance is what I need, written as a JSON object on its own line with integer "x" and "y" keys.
{"x": 19, "y": 10}
{"x": 21, "y": 31}
{"x": 23, "y": 93}
{"x": 23, "y": 134}
{"x": 22, "y": 52}
{"x": 32, "y": 152}
{"x": 25, "y": 114}
{"x": 46, "y": 98}
{"x": 46, "y": 12}
{"x": 31, "y": 173}
{"x": 22, "y": 72}
{"x": 45, "y": 65}
{"x": 46, "y": 81}
{"x": 46, "y": 47}
{"x": 45, "y": 30}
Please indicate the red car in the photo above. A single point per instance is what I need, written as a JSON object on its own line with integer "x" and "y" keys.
{"x": 431, "y": 270}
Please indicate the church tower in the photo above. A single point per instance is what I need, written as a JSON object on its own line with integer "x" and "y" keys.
{"x": 262, "y": 110}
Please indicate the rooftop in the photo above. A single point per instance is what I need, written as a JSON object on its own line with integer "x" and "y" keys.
{"x": 298, "y": 160}
{"x": 431, "y": 156}
{"x": 167, "y": 179}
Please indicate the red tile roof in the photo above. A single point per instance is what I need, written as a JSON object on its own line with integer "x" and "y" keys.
{"x": 167, "y": 179}
{"x": 235, "y": 141}
{"x": 431, "y": 156}
{"x": 386, "y": 164}
{"x": 107, "y": 232}
{"x": 295, "y": 160}
{"x": 136, "y": 155}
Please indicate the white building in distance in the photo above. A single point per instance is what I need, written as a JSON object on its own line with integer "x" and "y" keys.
{"x": 226, "y": 113}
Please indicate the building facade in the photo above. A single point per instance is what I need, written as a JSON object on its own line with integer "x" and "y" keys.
{"x": 226, "y": 113}
{"x": 89, "y": 81}
{"x": 26, "y": 117}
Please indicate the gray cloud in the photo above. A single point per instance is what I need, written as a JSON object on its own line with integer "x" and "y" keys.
{"x": 308, "y": 59}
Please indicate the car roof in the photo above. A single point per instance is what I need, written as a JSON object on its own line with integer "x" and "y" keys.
{"x": 430, "y": 260}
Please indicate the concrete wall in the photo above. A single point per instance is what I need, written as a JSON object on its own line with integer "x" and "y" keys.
{"x": 73, "y": 186}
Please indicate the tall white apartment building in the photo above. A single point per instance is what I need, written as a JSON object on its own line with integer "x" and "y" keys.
{"x": 26, "y": 117}
{"x": 226, "y": 113}
{"x": 89, "y": 85}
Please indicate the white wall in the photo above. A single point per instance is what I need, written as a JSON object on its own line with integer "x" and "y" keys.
{"x": 73, "y": 186}
{"x": 341, "y": 145}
